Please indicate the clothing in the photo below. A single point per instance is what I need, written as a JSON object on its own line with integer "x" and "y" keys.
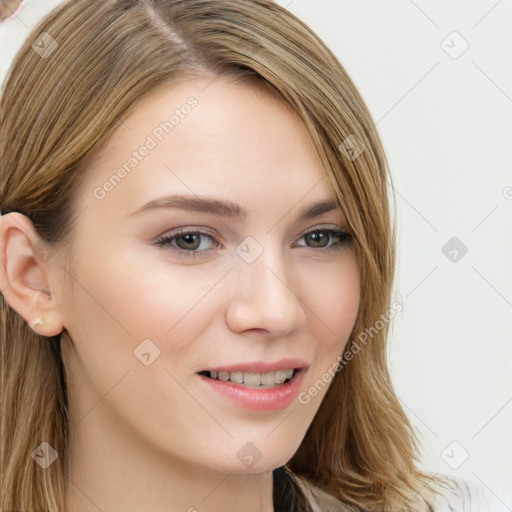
{"x": 467, "y": 495}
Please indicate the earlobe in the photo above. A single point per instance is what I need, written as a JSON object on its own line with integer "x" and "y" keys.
{"x": 24, "y": 276}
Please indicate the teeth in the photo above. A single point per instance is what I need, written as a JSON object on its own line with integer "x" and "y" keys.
{"x": 253, "y": 379}
{"x": 236, "y": 377}
{"x": 267, "y": 379}
{"x": 280, "y": 376}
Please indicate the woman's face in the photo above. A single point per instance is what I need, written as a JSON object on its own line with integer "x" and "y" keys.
{"x": 246, "y": 293}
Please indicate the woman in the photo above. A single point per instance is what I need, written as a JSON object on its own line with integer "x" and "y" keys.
{"x": 144, "y": 370}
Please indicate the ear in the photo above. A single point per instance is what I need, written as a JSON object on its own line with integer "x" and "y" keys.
{"x": 24, "y": 274}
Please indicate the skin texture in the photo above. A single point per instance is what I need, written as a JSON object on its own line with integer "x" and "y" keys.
{"x": 156, "y": 437}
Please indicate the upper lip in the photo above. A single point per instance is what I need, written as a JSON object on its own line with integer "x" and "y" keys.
{"x": 261, "y": 366}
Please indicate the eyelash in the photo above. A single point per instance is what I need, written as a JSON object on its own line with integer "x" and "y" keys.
{"x": 344, "y": 239}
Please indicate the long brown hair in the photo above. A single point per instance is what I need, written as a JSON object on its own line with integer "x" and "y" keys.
{"x": 57, "y": 110}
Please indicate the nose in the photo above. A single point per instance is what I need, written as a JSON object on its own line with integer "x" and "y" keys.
{"x": 263, "y": 297}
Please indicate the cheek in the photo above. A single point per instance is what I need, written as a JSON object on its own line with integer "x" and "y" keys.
{"x": 173, "y": 304}
{"x": 132, "y": 301}
{"x": 334, "y": 304}
{"x": 116, "y": 306}
{"x": 143, "y": 293}
{"x": 333, "y": 296}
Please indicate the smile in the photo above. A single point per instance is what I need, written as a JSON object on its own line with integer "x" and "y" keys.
{"x": 253, "y": 379}
{"x": 274, "y": 387}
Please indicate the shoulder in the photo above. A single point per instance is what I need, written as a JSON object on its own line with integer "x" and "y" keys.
{"x": 466, "y": 495}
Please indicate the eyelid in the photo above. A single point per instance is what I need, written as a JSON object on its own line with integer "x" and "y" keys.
{"x": 326, "y": 227}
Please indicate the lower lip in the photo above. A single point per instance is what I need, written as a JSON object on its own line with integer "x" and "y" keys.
{"x": 258, "y": 399}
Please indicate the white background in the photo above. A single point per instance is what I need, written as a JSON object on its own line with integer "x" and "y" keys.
{"x": 446, "y": 124}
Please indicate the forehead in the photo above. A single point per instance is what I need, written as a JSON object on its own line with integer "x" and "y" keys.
{"x": 209, "y": 138}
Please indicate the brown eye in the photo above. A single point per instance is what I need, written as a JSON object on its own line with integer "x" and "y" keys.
{"x": 319, "y": 237}
{"x": 188, "y": 243}
{"x": 191, "y": 241}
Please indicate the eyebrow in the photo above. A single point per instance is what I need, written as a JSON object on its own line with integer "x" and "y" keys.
{"x": 225, "y": 208}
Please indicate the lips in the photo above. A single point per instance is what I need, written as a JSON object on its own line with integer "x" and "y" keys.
{"x": 258, "y": 398}
{"x": 258, "y": 385}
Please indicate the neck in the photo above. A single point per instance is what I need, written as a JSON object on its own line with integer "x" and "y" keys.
{"x": 111, "y": 472}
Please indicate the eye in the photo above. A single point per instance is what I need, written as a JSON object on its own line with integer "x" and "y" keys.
{"x": 322, "y": 236}
{"x": 188, "y": 242}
